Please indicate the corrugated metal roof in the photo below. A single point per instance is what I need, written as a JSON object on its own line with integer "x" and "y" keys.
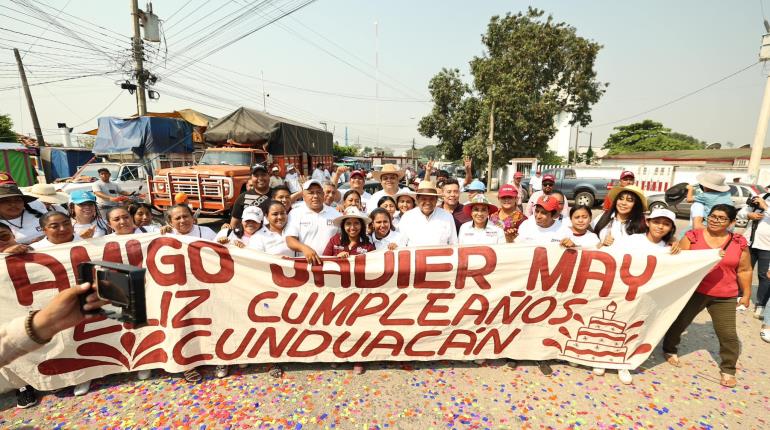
{"x": 690, "y": 154}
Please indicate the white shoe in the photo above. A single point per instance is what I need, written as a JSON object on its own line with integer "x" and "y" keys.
{"x": 598, "y": 371}
{"x": 220, "y": 371}
{"x": 82, "y": 389}
{"x": 143, "y": 374}
{"x": 625, "y": 376}
{"x": 758, "y": 311}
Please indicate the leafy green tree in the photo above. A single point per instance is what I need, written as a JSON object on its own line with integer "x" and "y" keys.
{"x": 455, "y": 115}
{"x": 550, "y": 158}
{"x": 589, "y": 156}
{"x": 340, "y": 151}
{"x": 430, "y": 152}
{"x": 6, "y": 129}
{"x": 648, "y": 135}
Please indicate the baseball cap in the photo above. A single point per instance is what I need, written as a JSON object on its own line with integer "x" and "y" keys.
{"x": 82, "y": 196}
{"x": 549, "y": 178}
{"x": 252, "y": 213}
{"x": 627, "y": 174}
{"x": 289, "y": 166}
{"x": 548, "y": 203}
{"x": 518, "y": 175}
{"x": 307, "y": 184}
{"x": 507, "y": 190}
{"x": 258, "y": 168}
{"x": 357, "y": 173}
{"x": 275, "y": 169}
{"x": 662, "y": 213}
{"x": 476, "y": 185}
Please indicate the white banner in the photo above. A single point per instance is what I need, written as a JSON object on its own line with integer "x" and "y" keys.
{"x": 210, "y": 304}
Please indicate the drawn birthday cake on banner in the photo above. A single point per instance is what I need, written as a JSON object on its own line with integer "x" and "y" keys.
{"x": 602, "y": 341}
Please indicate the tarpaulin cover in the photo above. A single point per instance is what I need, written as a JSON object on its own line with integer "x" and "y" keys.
{"x": 285, "y": 137}
{"x": 145, "y": 135}
{"x": 19, "y": 165}
{"x": 63, "y": 162}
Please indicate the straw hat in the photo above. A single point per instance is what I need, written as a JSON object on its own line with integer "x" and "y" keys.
{"x": 389, "y": 169}
{"x": 631, "y": 188}
{"x": 479, "y": 199}
{"x": 406, "y": 192}
{"x": 352, "y": 212}
{"x": 46, "y": 193}
{"x": 426, "y": 188}
{"x": 714, "y": 181}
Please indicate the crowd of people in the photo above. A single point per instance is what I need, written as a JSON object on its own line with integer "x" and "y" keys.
{"x": 314, "y": 218}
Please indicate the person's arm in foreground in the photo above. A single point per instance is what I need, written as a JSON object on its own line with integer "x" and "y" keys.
{"x": 744, "y": 278}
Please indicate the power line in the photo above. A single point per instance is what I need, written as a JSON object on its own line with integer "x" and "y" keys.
{"x": 58, "y": 80}
{"x": 680, "y": 98}
{"x": 101, "y": 111}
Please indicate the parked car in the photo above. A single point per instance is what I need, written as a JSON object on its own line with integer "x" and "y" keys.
{"x": 583, "y": 191}
{"x": 130, "y": 177}
{"x": 739, "y": 193}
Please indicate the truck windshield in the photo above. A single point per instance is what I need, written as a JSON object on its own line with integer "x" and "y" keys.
{"x": 226, "y": 158}
{"x": 92, "y": 170}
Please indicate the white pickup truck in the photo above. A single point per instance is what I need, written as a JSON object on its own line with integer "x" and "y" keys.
{"x": 131, "y": 177}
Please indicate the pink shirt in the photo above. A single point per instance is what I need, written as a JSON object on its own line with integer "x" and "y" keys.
{"x": 722, "y": 280}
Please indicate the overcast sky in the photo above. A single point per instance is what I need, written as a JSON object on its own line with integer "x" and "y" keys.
{"x": 654, "y": 52}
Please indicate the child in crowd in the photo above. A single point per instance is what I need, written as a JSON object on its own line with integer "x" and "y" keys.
{"x": 578, "y": 233}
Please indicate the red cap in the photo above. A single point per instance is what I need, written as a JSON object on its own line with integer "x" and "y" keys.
{"x": 626, "y": 174}
{"x": 550, "y": 178}
{"x": 518, "y": 175}
{"x": 357, "y": 173}
{"x": 548, "y": 203}
{"x": 507, "y": 190}
{"x": 6, "y": 179}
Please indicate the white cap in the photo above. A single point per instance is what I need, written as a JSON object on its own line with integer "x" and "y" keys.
{"x": 662, "y": 213}
{"x": 307, "y": 184}
{"x": 289, "y": 167}
{"x": 252, "y": 213}
{"x": 275, "y": 169}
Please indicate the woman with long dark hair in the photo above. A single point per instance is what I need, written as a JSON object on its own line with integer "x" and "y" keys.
{"x": 86, "y": 219}
{"x": 625, "y": 217}
{"x": 18, "y": 213}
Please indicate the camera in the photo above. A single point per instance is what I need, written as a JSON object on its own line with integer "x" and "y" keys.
{"x": 752, "y": 202}
{"x": 120, "y": 284}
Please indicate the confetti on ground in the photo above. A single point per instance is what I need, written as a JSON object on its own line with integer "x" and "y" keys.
{"x": 432, "y": 395}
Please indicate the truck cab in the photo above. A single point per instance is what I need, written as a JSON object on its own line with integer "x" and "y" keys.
{"x": 212, "y": 185}
{"x": 131, "y": 177}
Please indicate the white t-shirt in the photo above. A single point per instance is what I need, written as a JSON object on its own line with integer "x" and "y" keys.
{"x": 79, "y": 228}
{"x": 617, "y": 228}
{"x": 292, "y": 181}
{"x": 640, "y": 242}
{"x": 110, "y": 188}
{"x": 270, "y": 242}
{"x": 536, "y": 183}
{"x": 223, "y": 233}
{"x": 136, "y": 231}
{"x": 530, "y": 232}
{"x": 586, "y": 240}
{"x": 470, "y": 235}
{"x": 202, "y": 232}
{"x": 418, "y": 230}
{"x": 382, "y": 244}
{"x": 151, "y": 228}
{"x": 697, "y": 210}
{"x": 313, "y": 229}
{"x": 45, "y": 243}
{"x": 374, "y": 198}
{"x": 25, "y": 228}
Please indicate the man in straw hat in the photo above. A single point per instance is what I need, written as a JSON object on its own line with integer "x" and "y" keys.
{"x": 311, "y": 225}
{"x": 47, "y": 194}
{"x": 426, "y": 225}
{"x": 389, "y": 177}
{"x": 714, "y": 192}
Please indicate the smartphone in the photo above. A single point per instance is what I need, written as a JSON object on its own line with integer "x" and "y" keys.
{"x": 120, "y": 284}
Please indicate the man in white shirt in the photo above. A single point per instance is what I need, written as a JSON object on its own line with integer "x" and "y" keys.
{"x": 543, "y": 228}
{"x": 275, "y": 177}
{"x": 320, "y": 174}
{"x": 310, "y": 227}
{"x": 426, "y": 225}
{"x": 535, "y": 183}
{"x": 292, "y": 179}
{"x": 548, "y": 183}
{"x": 107, "y": 193}
{"x": 357, "y": 180}
{"x": 389, "y": 177}
{"x": 517, "y": 177}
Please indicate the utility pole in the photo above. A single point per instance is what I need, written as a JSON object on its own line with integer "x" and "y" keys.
{"x": 30, "y": 103}
{"x": 377, "y": 76}
{"x": 764, "y": 113}
{"x": 264, "y": 96}
{"x": 136, "y": 42}
{"x": 491, "y": 147}
{"x": 577, "y": 139}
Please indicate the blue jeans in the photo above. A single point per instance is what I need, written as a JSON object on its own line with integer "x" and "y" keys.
{"x": 761, "y": 258}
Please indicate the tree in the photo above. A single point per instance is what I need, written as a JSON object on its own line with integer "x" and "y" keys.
{"x": 455, "y": 115}
{"x": 340, "y": 151}
{"x": 648, "y": 135}
{"x": 6, "y": 129}
{"x": 589, "y": 155}
{"x": 431, "y": 152}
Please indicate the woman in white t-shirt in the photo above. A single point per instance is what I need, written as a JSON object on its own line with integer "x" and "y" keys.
{"x": 121, "y": 222}
{"x": 661, "y": 231}
{"x": 625, "y": 217}
{"x": 57, "y": 228}
{"x": 271, "y": 239}
{"x": 479, "y": 231}
{"x": 141, "y": 213}
{"x": 17, "y": 212}
{"x": 181, "y": 222}
{"x": 542, "y": 228}
{"x": 383, "y": 236}
{"x": 578, "y": 232}
{"x": 405, "y": 201}
{"x": 86, "y": 219}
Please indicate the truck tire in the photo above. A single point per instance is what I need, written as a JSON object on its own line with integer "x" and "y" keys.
{"x": 585, "y": 198}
